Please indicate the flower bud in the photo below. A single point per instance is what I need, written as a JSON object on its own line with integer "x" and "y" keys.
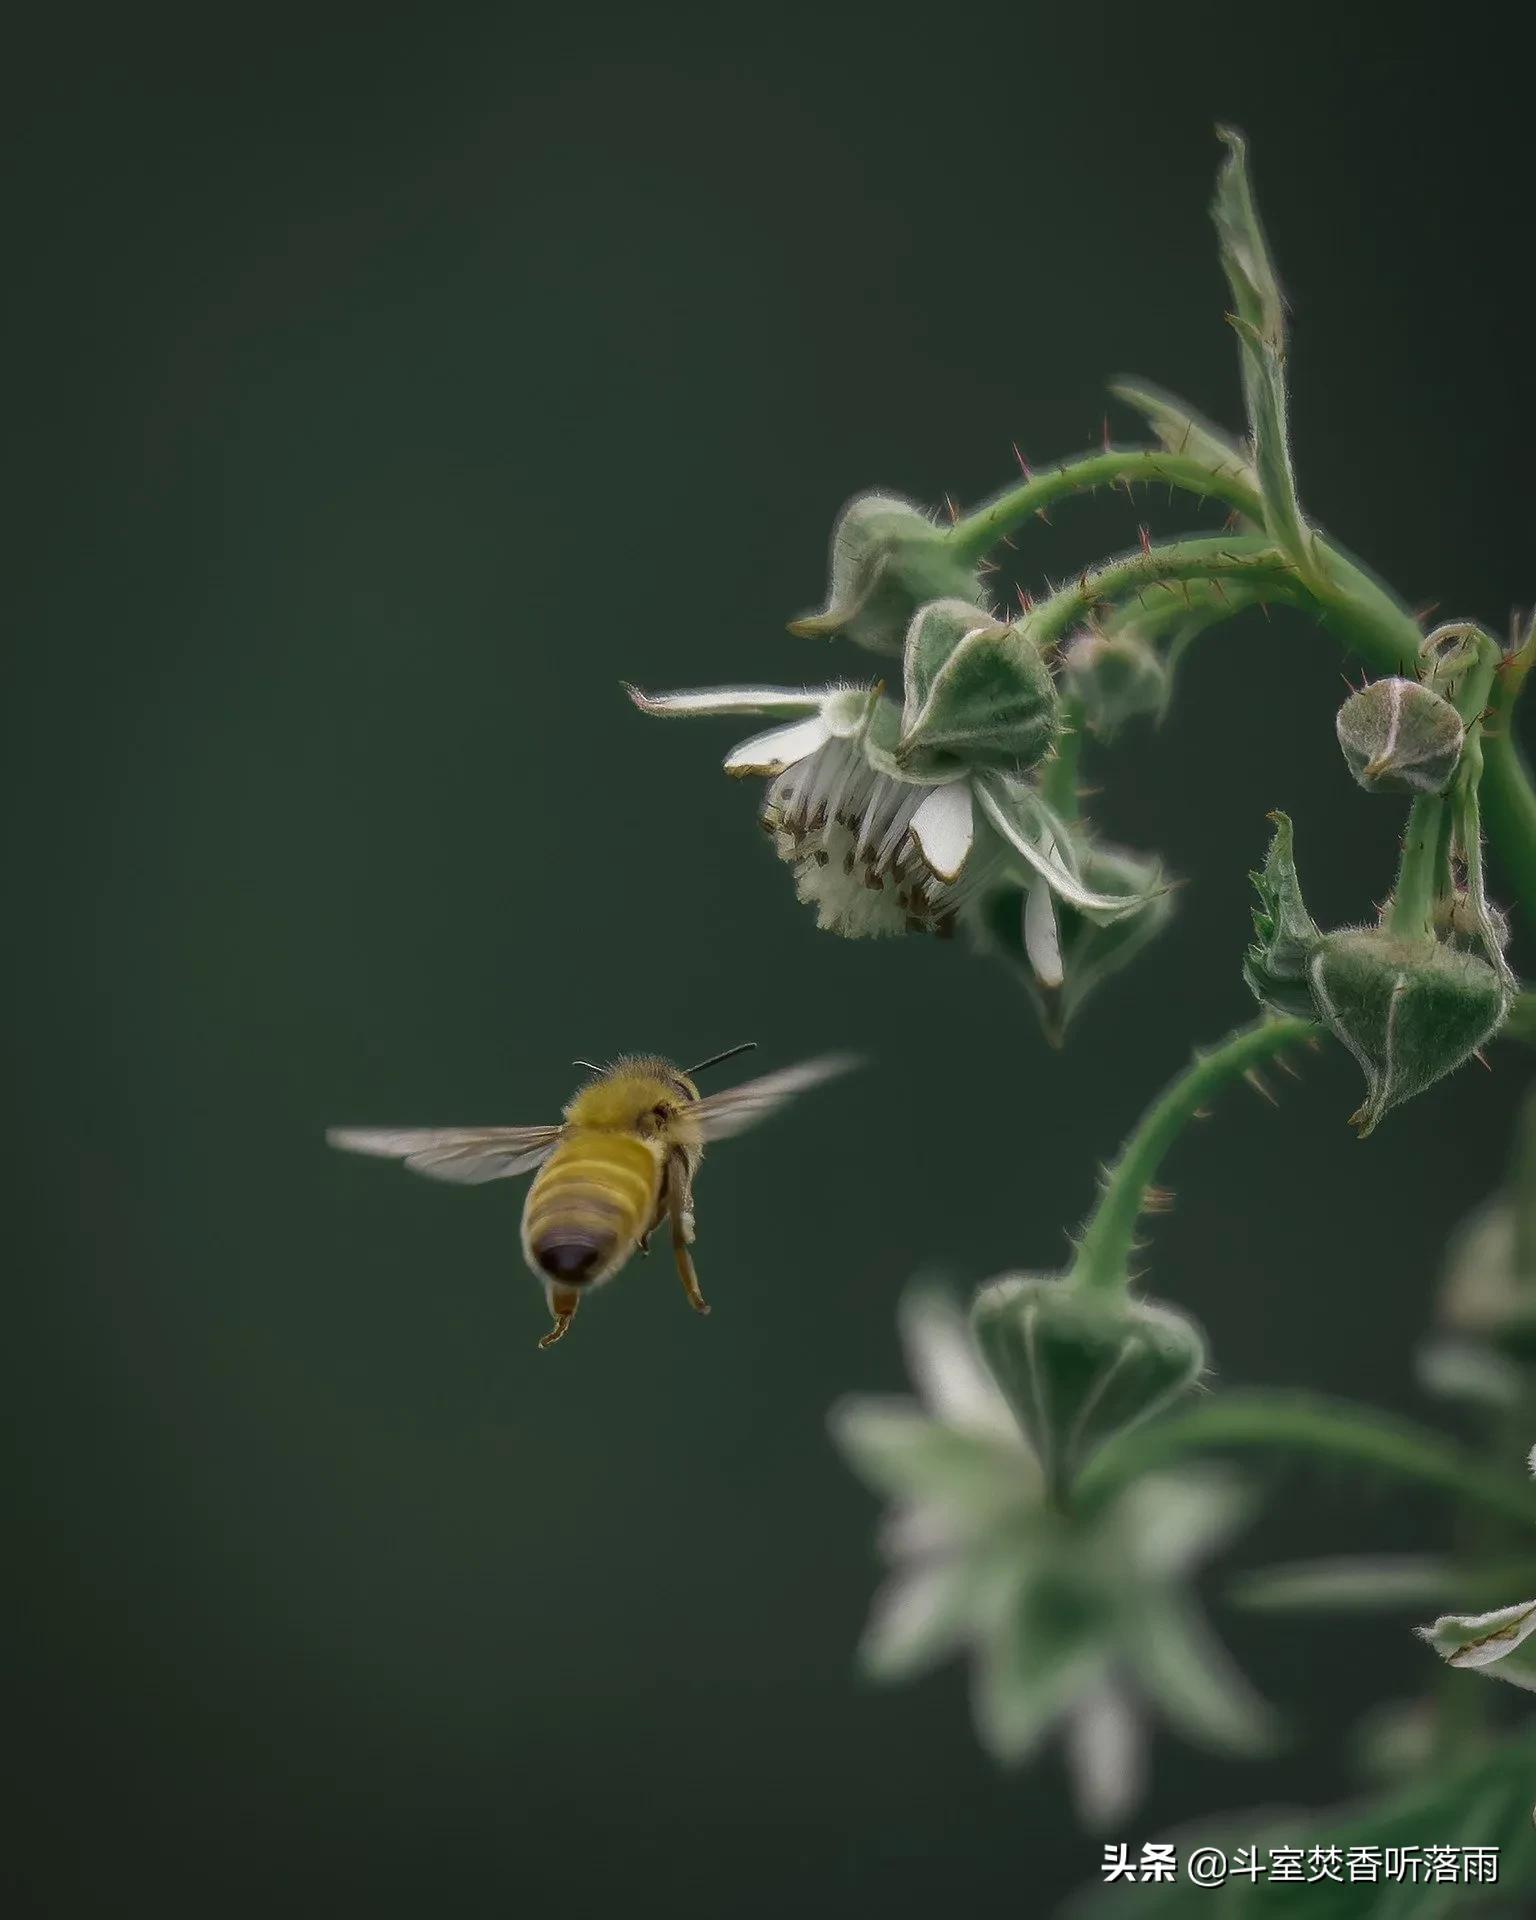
{"x": 1077, "y": 1368}
{"x": 1410, "y": 1010}
{"x": 975, "y": 688}
{"x": 1285, "y": 934}
{"x": 1400, "y": 737}
{"x": 1118, "y": 677}
{"x": 888, "y": 559}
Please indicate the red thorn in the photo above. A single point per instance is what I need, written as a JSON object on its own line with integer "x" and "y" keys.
{"x": 1146, "y": 541}
{"x": 1023, "y": 463}
{"x": 951, "y": 509}
{"x": 1104, "y": 425}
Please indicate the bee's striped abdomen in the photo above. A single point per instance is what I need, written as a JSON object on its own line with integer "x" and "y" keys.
{"x": 593, "y": 1198}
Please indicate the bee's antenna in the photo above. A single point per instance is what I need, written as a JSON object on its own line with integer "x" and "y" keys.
{"x": 587, "y": 1064}
{"x": 715, "y": 1058}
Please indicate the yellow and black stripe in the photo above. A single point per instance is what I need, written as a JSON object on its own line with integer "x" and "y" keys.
{"x": 592, "y": 1200}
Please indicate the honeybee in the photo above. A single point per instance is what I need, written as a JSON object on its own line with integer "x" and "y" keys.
{"x": 623, "y": 1159}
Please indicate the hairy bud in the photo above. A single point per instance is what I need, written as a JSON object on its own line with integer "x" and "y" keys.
{"x": 1078, "y": 1368}
{"x": 1118, "y": 677}
{"x": 1409, "y": 1010}
{"x": 888, "y": 559}
{"x": 976, "y": 689}
{"x": 1400, "y": 737}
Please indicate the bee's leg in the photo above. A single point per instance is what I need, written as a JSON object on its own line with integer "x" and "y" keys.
{"x": 658, "y": 1216}
{"x": 563, "y": 1302}
{"x": 679, "y": 1206}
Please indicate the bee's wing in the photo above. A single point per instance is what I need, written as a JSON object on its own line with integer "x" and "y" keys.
{"x": 721, "y": 1115}
{"x": 466, "y": 1155}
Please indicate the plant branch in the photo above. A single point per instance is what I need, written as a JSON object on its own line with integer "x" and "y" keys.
{"x": 1309, "y": 1423}
{"x": 1104, "y": 1248}
{"x": 977, "y": 533}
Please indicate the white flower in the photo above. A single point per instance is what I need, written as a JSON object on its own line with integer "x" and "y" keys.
{"x": 1500, "y": 1642}
{"x": 888, "y": 845}
{"x": 1073, "y": 1621}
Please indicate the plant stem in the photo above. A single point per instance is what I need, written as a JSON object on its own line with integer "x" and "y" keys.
{"x": 1058, "y": 777}
{"x": 1234, "y": 556}
{"x": 977, "y": 533}
{"x": 1421, "y": 868}
{"x": 1308, "y": 1423}
{"x": 1104, "y": 1249}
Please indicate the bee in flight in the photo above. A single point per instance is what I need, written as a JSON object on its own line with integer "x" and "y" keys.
{"x": 623, "y": 1159}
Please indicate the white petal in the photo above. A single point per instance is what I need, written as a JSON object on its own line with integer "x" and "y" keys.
{"x": 945, "y": 1367}
{"x": 919, "y": 1617}
{"x": 1050, "y": 867}
{"x": 1041, "y": 940}
{"x": 779, "y": 703}
{"x": 1107, "y": 1754}
{"x": 779, "y": 748}
{"x": 943, "y": 828}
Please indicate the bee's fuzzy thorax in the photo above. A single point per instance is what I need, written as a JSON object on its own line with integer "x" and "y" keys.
{"x": 629, "y": 1089}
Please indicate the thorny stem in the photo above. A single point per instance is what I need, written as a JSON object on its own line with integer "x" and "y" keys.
{"x": 1309, "y": 1423}
{"x": 978, "y": 532}
{"x": 1419, "y": 871}
{"x": 1160, "y": 567}
{"x": 1104, "y": 1249}
{"x": 1506, "y": 796}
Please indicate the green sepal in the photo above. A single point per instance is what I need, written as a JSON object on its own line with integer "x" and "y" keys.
{"x": 1410, "y": 1010}
{"x": 1285, "y": 934}
{"x": 975, "y": 688}
{"x": 1092, "y": 948}
{"x": 1079, "y": 1368}
{"x": 888, "y": 559}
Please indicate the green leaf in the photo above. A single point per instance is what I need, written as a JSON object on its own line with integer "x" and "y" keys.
{"x": 1259, "y": 319}
{"x": 1346, "y": 1585}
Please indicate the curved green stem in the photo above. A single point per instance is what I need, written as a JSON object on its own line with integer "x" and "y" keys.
{"x": 1419, "y": 872}
{"x": 1237, "y": 556}
{"x": 1104, "y": 1249}
{"x": 977, "y": 533}
{"x": 1506, "y": 795}
{"x": 1309, "y": 1423}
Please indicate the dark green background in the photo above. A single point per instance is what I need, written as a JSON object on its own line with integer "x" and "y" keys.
{"x": 384, "y": 392}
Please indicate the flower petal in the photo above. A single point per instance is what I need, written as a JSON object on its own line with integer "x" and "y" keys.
{"x": 1024, "y": 1682}
{"x": 1177, "y": 1520}
{"x": 944, "y": 828}
{"x": 947, "y": 1370}
{"x": 774, "y": 703}
{"x": 1497, "y": 1641}
{"x": 1042, "y": 938}
{"x": 1106, "y": 1739}
{"x": 1190, "y": 1675}
{"x": 919, "y": 1617}
{"x": 779, "y": 748}
{"x": 899, "y": 1451}
{"x": 1001, "y": 807}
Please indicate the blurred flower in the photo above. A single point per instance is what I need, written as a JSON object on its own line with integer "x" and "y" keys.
{"x": 1077, "y": 1620}
{"x": 888, "y": 835}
